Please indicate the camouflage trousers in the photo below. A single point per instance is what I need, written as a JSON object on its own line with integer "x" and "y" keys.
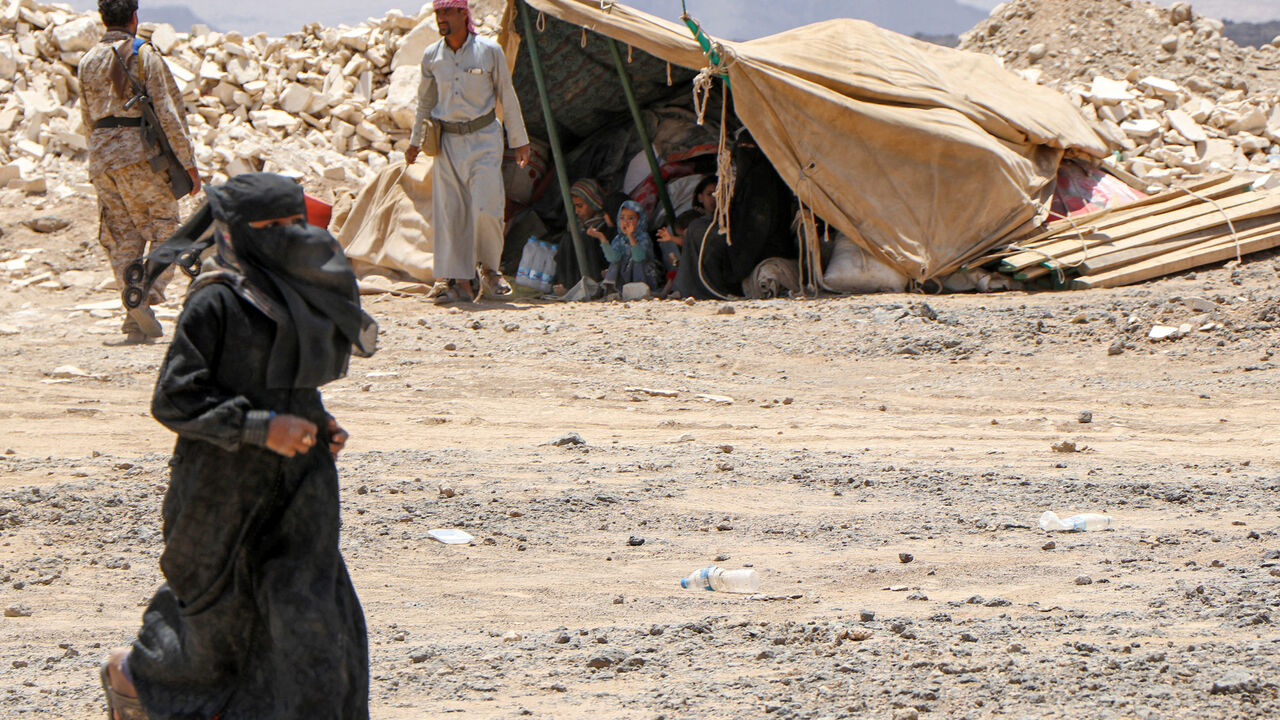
{"x": 136, "y": 213}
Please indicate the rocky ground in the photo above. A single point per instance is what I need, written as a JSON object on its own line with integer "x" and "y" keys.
{"x": 881, "y": 461}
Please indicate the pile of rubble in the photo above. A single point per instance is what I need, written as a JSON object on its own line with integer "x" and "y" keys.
{"x": 332, "y": 103}
{"x": 1176, "y": 99}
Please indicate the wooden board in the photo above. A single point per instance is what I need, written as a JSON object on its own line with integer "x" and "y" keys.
{"x": 1211, "y": 251}
{"x": 1168, "y": 200}
{"x": 1242, "y": 207}
{"x": 1245, "y": 230}
{"x": 1118, "y": 227}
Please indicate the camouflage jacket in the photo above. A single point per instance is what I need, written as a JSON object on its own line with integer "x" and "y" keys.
{"x": 112, "y": 148}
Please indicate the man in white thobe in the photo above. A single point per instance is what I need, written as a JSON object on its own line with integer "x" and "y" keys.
{"x": 463, "y": 77}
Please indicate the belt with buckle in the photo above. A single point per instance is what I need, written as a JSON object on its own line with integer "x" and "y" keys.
{"x": 470, "y": 126}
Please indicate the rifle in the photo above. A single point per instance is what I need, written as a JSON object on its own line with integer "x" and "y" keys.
{"x": 165, "y": 162}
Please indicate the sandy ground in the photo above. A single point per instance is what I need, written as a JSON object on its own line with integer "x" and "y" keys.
{"x": 859, "y": 429}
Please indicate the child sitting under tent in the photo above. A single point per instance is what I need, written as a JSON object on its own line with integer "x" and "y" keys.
{"x": 630, "y": 252}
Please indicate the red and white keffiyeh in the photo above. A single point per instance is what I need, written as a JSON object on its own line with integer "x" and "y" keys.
{"x": 460, "y": 5}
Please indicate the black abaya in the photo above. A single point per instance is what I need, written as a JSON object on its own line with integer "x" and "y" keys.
{"x": 258, "y": 617}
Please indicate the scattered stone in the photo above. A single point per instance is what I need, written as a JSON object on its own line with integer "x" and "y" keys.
{"x": 1234, "y": 681}
{"x": 866, "y": 615}
{"x": 47, "y": 224}
{"x": 447, "y": 491}
{"x": 1049, "y": 545}
{"x": 905, "y": 558}
{"x": 1085, "y": 417}
{"x": 725, "y": 310}
{"x": 1083, "y": 580}
{"x": 635, "y": 541}
{"x": 568, "y": 439}
{"x": 18, "y": 609}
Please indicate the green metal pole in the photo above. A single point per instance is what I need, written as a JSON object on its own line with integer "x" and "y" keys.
{"x": 627, "y": 90}
{"x": 553, "y": 137}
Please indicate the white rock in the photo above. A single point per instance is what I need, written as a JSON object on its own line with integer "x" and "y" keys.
{"x": 78, "y": 35}
{"x": 1200, "y": 304}
{"x": 1188, "y": 128}
{"x": 1105, "y": 91}
{"x": 1250, "y": 144}
{"x": 415, "y": 43}
{"x": 296, "y": 98}
{"x": 1198, "y": 109}
{"x": 1142, "y": 167}
{"x": 34, "y": 149}
{"x": 370, "y": 132}
{"x": 1141, "y": 128}
{"x": 10, "y": 173}
{"x": 357, "y": 39}
{"x": 274, "y": 119}
{"x": 335, "y": 172}
{"x": 1115, "y": 113}
{"x": 1252, "y": 120}
{"x": 164, "y": 38}
{"x": 402, "y": 96}
{"x": 1161, "y": 332}
{"x": 1160, "y": 86}
{"x": 1220, "y": 154}
{"x": 8, "y": 59}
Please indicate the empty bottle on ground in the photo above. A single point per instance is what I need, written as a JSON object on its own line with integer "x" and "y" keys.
{"x": 1076, "y": 523}
{"x": 716, "y": 578}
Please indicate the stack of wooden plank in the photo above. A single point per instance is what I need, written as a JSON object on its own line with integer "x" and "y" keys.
{"x": 1217, "y": 219}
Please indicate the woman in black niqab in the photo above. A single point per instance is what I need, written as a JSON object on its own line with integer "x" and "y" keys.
{"x": 258, "y": 617}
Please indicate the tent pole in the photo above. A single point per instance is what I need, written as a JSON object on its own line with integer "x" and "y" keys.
{"x": 553, "y": 138}
{"x": 659, "y": 182}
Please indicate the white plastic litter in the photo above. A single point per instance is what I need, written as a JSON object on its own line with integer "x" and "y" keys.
{"x": 450, "y": 536}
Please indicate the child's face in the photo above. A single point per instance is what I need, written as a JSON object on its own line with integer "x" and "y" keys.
{"x": 627, "y": 221}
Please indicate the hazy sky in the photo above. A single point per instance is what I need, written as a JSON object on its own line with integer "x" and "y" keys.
{"x": 280, "y": 16}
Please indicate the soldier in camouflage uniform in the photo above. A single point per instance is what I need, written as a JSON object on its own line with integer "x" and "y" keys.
{"x": 136, "y": 208}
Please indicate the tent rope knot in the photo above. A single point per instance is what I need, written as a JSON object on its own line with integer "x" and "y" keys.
{"x": 704, "y": 81}
{"x": 607, "y": 5}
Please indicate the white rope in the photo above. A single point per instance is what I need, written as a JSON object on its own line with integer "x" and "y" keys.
{"x": 668, "y": 74}
{"x": 584, "y": 37}
{"x": 1230, "y": 226}
{"x": 726, "y": 178}
{"x": 542, "y": 21}
{"x": 630, "y": 49}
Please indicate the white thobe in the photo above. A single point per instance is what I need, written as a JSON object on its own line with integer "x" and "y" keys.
{"x": 467, "y": 194}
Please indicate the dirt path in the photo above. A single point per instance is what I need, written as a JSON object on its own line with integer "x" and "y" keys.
{"x": 859, "y": 429}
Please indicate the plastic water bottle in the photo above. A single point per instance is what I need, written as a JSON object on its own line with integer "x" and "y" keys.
{"x": 526, "y": 262}
{"x": 546, "y": 267}
{"x": 716, "y": 578}
{"x": 1076, "y": 523}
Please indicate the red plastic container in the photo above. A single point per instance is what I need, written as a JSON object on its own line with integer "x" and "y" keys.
{"x": 319, "y": 212}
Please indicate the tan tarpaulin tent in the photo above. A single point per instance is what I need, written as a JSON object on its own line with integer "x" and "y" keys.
{"x": 925, "y": 155}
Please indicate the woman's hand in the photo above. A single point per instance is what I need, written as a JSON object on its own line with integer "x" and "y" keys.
{"x": 595, "y": 233}
{"x": 337, "y": 437}
{"x": 290, "y": 435}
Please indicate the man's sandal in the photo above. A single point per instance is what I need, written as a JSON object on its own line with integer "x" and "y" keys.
{"x": 119, "y": 705}
{"x": 453, "y": 294}
{"x": 495, "y": 282}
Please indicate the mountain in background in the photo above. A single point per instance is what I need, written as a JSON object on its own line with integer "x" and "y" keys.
{"x": 180, "y": 17}
{"x": 1251, "y": 34}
